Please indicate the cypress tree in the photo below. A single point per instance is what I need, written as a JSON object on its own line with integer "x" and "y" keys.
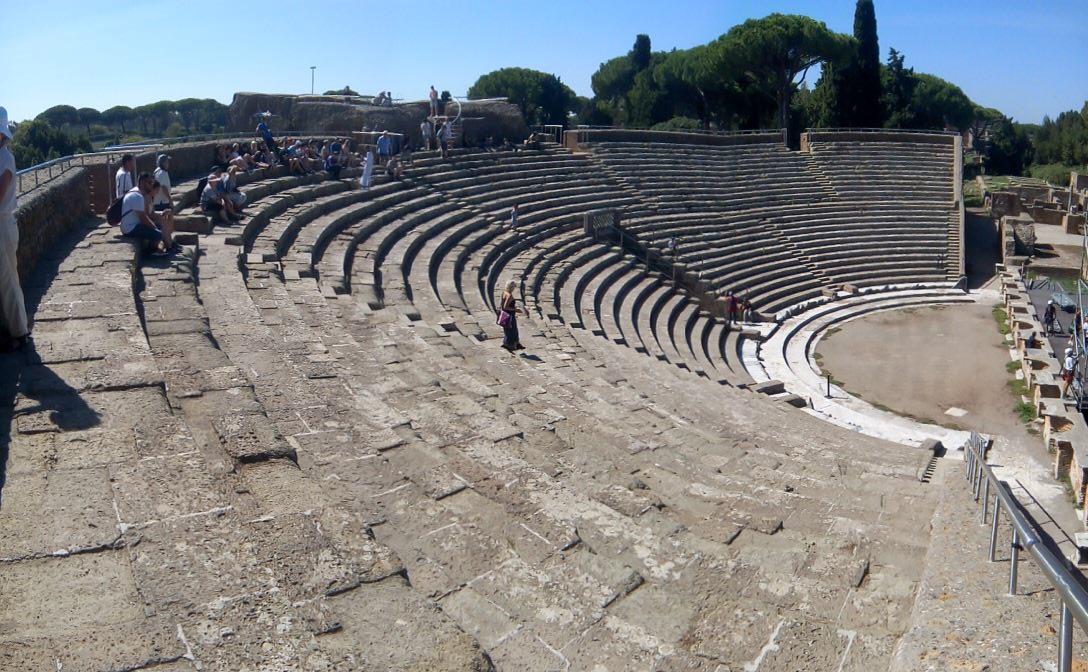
{"x": 865, "y": 73}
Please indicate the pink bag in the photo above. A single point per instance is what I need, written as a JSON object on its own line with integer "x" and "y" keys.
{"x": 504, "y": 319}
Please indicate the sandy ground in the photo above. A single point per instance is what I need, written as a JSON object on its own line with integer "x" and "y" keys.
{"x": 922, "y": 362}
{"x": 925, "y": 361}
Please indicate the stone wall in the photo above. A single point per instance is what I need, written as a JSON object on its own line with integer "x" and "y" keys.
{"x": 890, "y": 135}
{"x": 343, "y": 114}
{"x": 50, "y": 213}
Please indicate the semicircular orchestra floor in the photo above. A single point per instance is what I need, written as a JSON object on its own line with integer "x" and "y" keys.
{"x": 942, "y": 364}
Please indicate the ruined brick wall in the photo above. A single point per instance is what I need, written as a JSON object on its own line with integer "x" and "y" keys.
{"x": 48, "y": 214}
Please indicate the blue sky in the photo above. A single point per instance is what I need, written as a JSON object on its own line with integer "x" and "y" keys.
{"x": 1024, "y": 58}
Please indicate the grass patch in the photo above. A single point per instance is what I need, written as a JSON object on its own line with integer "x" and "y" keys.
{"x": 1012, "y": 367}
{"x": 1026, "y": 411}
{"x": 1019, "y": 387}
{"x": 1002, "y": 319}
{"x": 831, "y": 332}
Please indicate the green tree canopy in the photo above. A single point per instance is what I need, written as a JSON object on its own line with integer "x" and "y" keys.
{"x": 542, "y": 97}
{"x": 775, "y": 53}
{"x": 118, "y": 115}
{"x": 59, "y": 116}
{"x": 37, "y": 141}
{"x": 88, "y": 116}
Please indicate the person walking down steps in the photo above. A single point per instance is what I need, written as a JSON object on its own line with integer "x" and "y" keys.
{"x": 508, "y": 319}
{"x": 14, "y": 330}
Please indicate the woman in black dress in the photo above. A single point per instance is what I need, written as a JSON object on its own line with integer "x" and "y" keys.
{"x": 508, "y": 318}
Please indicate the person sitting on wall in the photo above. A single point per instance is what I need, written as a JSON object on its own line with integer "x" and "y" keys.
{"x": 139, "y": 222}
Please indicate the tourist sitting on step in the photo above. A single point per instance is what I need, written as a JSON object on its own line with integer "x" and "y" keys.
{"x": 259, "y": 155}
{"x": 240, "y": 158}
{"x": 394, "y": 168}
{"x": 228, "y": 185}
{"x": 292, "y": 155}
{"x": 139, "y": 222}
{"x": 332, "y": 164}
{"x": 212, "y": 202}
{"x": 508, "y": 318}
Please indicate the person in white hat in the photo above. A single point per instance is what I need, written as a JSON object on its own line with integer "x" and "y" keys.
{"x": 1069, "y": 369}
{"x": 14, "y": 331}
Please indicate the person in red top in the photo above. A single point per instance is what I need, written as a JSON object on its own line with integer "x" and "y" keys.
{"x": 730, "y": 306}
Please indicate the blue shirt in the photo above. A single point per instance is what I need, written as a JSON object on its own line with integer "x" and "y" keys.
{"x": 383, "y": 144}
{"x": 262, "y": 128}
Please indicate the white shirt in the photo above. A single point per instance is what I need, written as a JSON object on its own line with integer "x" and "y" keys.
{"x": 8, "y": 199}
{"x": 1070, "y": 363}
{"x": 131, "y": 208}
{"x": 164, "y": 179}
{"x": 124, "y": 183}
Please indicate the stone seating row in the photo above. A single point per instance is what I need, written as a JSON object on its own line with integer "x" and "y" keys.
{"x": 505, "y": 489}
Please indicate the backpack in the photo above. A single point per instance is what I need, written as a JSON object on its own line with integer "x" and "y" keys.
{"x": 113, "y": 214}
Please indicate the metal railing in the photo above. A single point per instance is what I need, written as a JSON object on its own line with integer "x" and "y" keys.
{"x": 1026, "y": 536}
{"x": 701, "y": 131}
{"x": 47, "y": 171}
{"x": 919, "y": 131}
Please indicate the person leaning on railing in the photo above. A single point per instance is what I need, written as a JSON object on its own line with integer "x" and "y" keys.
{"x": 15, "y": 332}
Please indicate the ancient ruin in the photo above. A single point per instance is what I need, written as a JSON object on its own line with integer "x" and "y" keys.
{"x": 298, "y": 445}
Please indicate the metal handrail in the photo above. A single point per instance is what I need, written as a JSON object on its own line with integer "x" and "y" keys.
{"x": 1027, "y": 536}
{"x": 701, "y": 131}
{"x": 920, "y": 131}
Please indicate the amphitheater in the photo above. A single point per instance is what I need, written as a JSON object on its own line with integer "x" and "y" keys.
{"x": 298, "y": 445}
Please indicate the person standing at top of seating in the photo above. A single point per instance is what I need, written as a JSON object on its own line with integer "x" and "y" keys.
{"x": 1050, "y": 317}
{"x": 508, "y": 318}
{"x": 385, "y": 148}
{"x": 269, "y": 140}
{"x": 445, "y": 135}
{"x": 139, "y": 223}
{"x": 14, "y": 329}
{"x": 125, "y": 178}
{"x": 434, "y": 101}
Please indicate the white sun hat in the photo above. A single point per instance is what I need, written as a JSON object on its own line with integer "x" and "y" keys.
{"x": 5, "y": 130}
